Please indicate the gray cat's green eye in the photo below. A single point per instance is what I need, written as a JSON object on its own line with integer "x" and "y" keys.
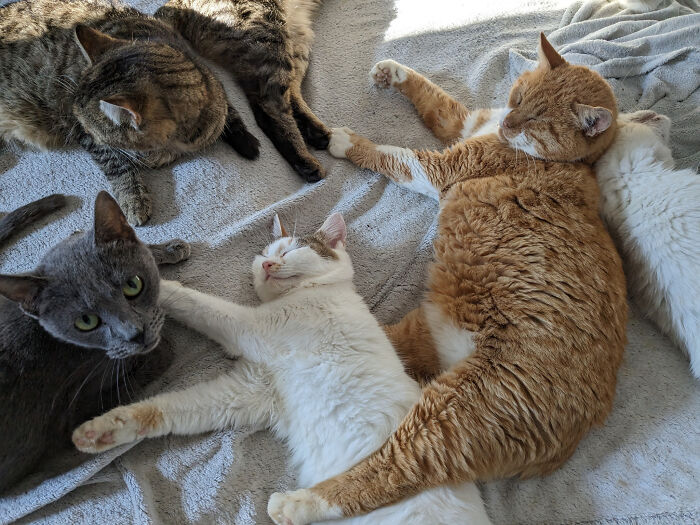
{"x": 132, "y": 287}
{"x": 87, "y": 322}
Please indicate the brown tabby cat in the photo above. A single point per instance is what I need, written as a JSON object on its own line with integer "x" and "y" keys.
{"x": 266, "y": 45}
{"x": 123, "y": 85}
{"x": 523, "y": 324}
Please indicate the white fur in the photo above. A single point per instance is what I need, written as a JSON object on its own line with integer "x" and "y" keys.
{"x": 317, "y": 368}
{"x": 641, "y": 6}
{"x": 419, "y": 179}
{"x": 452, "y": 342}
{"x": 490, "y": 126}
{"x": 654, "y": 214}
{"x": 340, "y": 142}
{"x": 521, "y": 143}
{"x": 388, "y": 73}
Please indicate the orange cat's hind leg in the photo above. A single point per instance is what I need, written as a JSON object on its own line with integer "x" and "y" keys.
{"x": 414, "y": 344}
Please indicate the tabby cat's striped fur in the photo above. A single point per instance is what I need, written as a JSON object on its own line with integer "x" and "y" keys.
{"x": 123, "y": 85}
{"x": 265, "y": 44}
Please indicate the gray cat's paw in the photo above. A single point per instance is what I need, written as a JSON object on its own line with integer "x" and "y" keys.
{"x": 177, "y": 251}
{"x": 136, "y": 209}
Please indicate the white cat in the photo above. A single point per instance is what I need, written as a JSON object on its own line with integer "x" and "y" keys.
{"x": 317, "y": 369}
{"x": 653, "y": 213}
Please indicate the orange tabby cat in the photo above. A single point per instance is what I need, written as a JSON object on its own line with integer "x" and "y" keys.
{"x": 524, "y": 318}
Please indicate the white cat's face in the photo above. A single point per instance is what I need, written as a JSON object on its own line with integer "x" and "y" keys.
{"x": 290, "y": 262}
{"x": 645, "y": 133}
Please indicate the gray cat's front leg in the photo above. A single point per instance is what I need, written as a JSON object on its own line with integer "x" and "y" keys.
{"x": 121, "y": 169}
{"x": 171, "y": 252}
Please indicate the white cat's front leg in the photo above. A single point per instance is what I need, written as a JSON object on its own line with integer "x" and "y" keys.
{"x": 243, "y": 397}
{"x": 216, "y": 318}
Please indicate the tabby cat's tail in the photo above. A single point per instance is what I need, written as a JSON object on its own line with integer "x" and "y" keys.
{"x": 29, "y": 213}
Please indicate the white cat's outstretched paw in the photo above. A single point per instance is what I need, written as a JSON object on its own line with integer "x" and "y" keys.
{"x": 341, "y": 142}
{"x": 299, "y": 508}
{"x": 116, "y": 427}
{"x": 388, "y": 73}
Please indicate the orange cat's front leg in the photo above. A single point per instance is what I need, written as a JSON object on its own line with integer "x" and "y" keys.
{"x": 448, "y": 119}
{"x": 419, "y": 171}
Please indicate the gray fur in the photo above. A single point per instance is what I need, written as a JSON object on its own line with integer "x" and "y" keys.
{"x": 52, "y": 375}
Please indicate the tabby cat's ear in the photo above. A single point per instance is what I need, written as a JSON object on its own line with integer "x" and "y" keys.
{"x": 593, "y": 120}
{"x": 110, "y": 223}
{"x": 278, "y": 230}
{"x": 549, "y": 58}
{"x": 120, "y": 108}
{"x": 334, "y": 230}
{"x": 23, "y": 289}
{"x": 94, "y": 43}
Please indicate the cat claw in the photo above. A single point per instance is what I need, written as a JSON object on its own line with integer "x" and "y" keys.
{"x": 387, "y": 73}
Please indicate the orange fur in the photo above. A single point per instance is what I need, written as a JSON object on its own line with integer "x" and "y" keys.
{"x": 522, "y": 261}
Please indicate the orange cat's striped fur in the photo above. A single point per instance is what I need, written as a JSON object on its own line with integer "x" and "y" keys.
{"x": 523, "y": 326}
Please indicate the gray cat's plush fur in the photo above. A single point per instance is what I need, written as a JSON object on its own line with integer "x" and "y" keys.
{"x": 52, "y": 374}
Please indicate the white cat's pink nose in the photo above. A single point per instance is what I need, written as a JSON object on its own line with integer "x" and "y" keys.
{"x": 268, "y": 266}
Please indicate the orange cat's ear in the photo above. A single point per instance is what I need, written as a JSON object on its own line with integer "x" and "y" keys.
{"x": 594, "y": 120}
{"x": 278, "y": 230}
{"x": 549, "y": 58}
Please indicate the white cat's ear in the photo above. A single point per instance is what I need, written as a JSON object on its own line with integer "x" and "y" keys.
{"x": 23, "y": 289}
{"x": 549, "y": 58}
{"x": 594, "y": 120}
{"x": 120, "y": 109}
{"x": 110, "y": 223}
{"x": 93, "y": 43}
{"x": 278, "y": 230}
{"x": 334, "y": 230}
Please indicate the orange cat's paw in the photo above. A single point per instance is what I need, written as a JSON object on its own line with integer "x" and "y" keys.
{"x": 107, "y": 431}
{"x": 388, "y": 73}
{"x": 341, "y": 142}
{"x": 300, "y": 507}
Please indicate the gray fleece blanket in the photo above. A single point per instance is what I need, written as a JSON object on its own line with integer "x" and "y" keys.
{"x": 642, "y": 467}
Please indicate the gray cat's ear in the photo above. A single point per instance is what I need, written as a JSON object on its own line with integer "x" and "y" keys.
{"x": 93, "y": 43}
{"x": 278, "y": 230}
{"x": 334, "y": 230}
{"x": 549, "y": 58}
{"x": 119, "y": 108}
{"x": 594, "y": 120}
{"x": 110, "y": 223}
{"x": 23, "y": 289}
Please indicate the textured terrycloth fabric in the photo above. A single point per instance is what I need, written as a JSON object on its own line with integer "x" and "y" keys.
{"x": 642, "y": 467}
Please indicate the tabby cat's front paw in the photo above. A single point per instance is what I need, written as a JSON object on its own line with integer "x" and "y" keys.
{"x": 388, "y": 73}
{"x": 341, "y": 142}
{"x": 137, "y": 209}
{"x": 300, "y": 507}
{"x": 118, "y": 426}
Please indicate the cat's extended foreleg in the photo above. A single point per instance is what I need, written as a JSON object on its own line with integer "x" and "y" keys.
{"x": 315, "y": 132}
{"x": 121, "y": 169}
{"x": 420, "y": 171}
{"x": 414, "y": 344}
{"x": 448, "y": 119}
{"x": 218, "y": 319}
{"x": 171, "y": 252}
{"x": 243, "y": 397}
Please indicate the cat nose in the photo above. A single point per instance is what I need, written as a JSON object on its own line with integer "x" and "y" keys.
{"x": 139, "y": 338}
{"x": 506, "y": 124}
{"x": 267, "y": 265}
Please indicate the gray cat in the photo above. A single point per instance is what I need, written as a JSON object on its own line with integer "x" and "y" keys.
{"x": 89, "y": 309}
